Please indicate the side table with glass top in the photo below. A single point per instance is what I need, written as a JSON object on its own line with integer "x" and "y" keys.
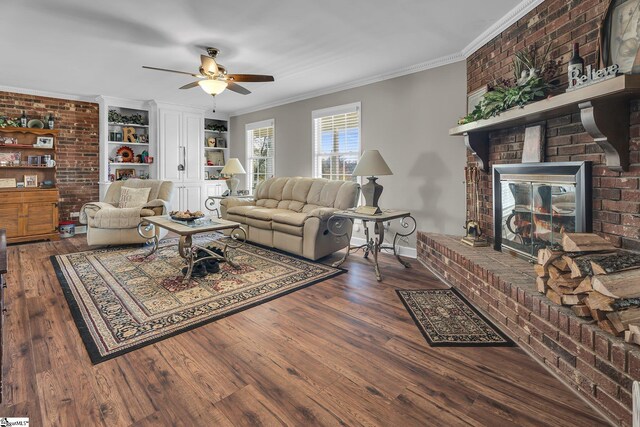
{"x": 337, "y": 225}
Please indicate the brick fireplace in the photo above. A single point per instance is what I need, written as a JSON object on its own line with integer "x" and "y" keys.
{"x": 598, "y": 365}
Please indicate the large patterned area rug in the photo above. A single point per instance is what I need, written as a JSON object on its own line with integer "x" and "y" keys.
{"x": 121, "y": 301}
{"x": 445, "y": 318}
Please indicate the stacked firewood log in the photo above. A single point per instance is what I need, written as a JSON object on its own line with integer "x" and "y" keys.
{"x": 596, "y": 279}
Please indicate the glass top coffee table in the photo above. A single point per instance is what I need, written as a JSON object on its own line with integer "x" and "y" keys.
{"x": 186, "y": 230}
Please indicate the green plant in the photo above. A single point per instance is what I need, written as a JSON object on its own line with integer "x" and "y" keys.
{"x": 533, "y": 79}
{"x": 7, "y": 122}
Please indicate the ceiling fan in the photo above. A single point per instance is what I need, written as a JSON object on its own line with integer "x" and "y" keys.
{"x": 214, "y": 78}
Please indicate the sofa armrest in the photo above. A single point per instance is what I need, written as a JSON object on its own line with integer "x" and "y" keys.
{"x": 89, "y": 210}
{"x": 158, "y": 206}
{"x": 322, "y": 213}
{"x": 230, "y": 202}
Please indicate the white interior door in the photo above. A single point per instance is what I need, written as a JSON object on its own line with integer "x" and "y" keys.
{"x": 193, "y": 141}
{"x": 169, "y": 138}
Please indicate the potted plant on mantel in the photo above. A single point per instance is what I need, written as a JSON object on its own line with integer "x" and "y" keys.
{"x": 534, "y": 79}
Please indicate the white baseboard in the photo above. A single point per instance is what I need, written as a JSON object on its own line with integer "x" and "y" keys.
{"x": 405, "y": 251}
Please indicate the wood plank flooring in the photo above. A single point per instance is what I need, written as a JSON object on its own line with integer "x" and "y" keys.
{"x": 341, "y": 352}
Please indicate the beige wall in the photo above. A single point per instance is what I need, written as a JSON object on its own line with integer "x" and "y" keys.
{"x": 407, "y": 119}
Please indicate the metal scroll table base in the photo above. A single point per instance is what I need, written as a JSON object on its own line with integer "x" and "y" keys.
{"x": 373, "y": 245}
{"x": 188, "y": 250}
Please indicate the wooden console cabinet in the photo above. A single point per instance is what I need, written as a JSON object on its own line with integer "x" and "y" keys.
{"x": 29, "y": 214}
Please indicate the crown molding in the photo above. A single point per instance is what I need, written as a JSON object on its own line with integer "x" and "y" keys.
{"x": 500, "y": 25}
{"x": 434, "y": 63}
{"x": 47, "y": 94}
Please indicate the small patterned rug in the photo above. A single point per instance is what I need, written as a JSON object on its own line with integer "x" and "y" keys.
{"x": 121, "y": 301}
{"x": 446, "y": 319}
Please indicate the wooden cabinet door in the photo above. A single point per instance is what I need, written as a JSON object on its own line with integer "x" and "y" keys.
{"x": 11, "y": 219}
{"x": 40, "y": 218}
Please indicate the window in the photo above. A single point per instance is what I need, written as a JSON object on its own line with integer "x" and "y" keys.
{"x": 261, "y": 153}
{"x": 336, "y": 142}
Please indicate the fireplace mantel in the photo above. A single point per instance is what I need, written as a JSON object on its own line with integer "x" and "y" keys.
{"x": 604, "y": 111}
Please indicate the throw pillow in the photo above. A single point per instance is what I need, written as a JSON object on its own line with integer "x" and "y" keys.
{"x": 133, "y": 197}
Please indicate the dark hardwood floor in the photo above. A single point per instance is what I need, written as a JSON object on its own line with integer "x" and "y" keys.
{"x": 341, "y": 352}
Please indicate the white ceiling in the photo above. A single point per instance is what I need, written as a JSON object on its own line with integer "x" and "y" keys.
{"x": 90, "y": 48}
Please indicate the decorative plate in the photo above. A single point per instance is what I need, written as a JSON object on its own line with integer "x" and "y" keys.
{"x": 126, "y": 153}
{"x": 35, "y": 124}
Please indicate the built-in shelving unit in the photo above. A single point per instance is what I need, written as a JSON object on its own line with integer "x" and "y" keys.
{"x": 603, "y": 108}
{"x": 216, "y": 147}
{"x": 112, "y": 134}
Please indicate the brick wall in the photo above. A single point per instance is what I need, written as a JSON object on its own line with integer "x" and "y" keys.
{"x": 77, "y": 144}
{"x": 616, "y": 201}
{"x": 596, "y": 364}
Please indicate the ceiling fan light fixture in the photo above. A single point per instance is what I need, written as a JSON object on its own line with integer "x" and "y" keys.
{"x": 212, "y": 86}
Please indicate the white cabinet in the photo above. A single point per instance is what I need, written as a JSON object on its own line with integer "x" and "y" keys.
{"x": 170, "y": 145}
{"x": 193, "y": 134}
{"x": 181, "y": 132}
{"x": 187, "y": 197}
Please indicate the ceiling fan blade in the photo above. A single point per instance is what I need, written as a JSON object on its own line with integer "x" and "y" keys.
{"x": 190, "y": 85}
{"x": 250, "y": 78}
{"x": 172, "y": 71}
{"x": 237, "y": 88}
{"x": 209, "y": 65}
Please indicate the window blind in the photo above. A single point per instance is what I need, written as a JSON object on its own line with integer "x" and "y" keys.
{"x": 336, "y": 142}
{"x": 261, "y": 154}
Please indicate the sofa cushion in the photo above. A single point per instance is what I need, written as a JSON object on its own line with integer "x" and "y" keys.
{"x": 267, "y": 203}
{"x": 291, "y": 218}
{"x": 265, "y": 214}
{"x": 241, "y": 210}
{"x": 287, "y": 228}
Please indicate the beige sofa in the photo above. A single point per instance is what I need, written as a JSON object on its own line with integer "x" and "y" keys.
{"x": 107, "y": 224}
{"x": 291, "y": 214}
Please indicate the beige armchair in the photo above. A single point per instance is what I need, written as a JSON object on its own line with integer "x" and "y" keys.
{"x": 109, "y": 224}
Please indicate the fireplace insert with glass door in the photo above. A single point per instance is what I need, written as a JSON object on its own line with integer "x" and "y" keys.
{"x": 533, "y": 204}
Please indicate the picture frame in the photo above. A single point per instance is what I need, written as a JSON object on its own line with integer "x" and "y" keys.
{"x": 221, "y": 143}
{"x": 474, "y": 98}
{"x": 31, "y": 181}
{"x": 8, "y": 183}
{"x": 10, "y": 159}
{"x": 44, "y": 142}
{"x": 123, "y": 174}
{"x": 211, "y": 142}
{"x": 33, "y": 160}
{"x": 215, "y": 158}
{"x": 619, "y": 41}
{"x": 206, "y": 175}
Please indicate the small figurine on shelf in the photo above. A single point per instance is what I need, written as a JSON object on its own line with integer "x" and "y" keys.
{"x": 23, "y": 120}
{"x": 138, "y": 158}
{"x": 50, "y": 121}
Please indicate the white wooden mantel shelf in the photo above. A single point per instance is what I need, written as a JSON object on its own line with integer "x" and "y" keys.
{"x": 604, "y": 111}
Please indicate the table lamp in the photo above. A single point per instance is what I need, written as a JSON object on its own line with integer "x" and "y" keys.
{"x": 233, "y": 167}
{"x": 371, "y": 165}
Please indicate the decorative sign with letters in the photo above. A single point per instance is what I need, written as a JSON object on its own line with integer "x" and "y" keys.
{"x": 577, "y": 81}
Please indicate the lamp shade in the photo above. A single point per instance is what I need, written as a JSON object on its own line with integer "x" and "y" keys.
{"x": 371, "y": 163}
{"x": 212, "y": 86}
{"x": 233, "y": 167}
